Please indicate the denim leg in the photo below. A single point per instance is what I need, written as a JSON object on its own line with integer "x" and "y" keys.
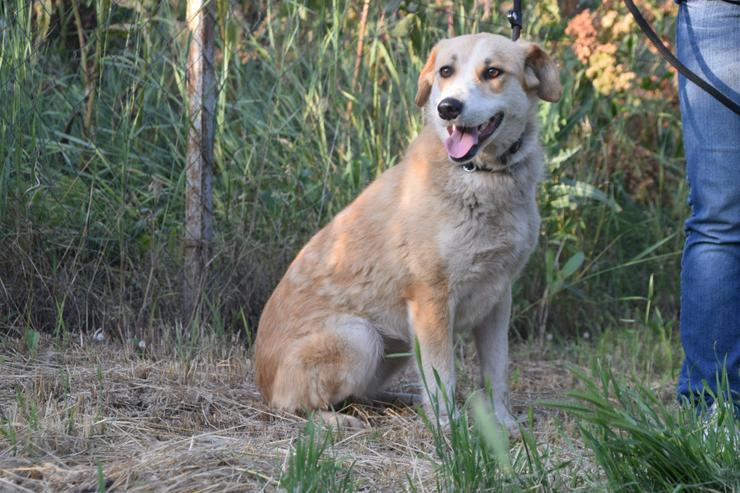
{"x": 708, "y": 43}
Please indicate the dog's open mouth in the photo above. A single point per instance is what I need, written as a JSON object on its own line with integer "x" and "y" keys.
{"x": 464, "y": 142}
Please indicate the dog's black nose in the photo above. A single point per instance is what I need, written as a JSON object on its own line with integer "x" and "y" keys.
{"x": 449, "y": 108}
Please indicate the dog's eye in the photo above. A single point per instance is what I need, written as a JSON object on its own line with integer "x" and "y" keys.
{"x": 491, "y": 73}
{"x": 446, "y": 72}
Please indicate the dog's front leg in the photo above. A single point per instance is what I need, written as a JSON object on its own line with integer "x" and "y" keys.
{"x": 429, "y": 317}
{"x": 492, "y": 344}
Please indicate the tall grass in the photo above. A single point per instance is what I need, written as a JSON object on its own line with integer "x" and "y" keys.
{"x": 308, "y": 468}
{"x": 471, "y": 453}
{"x": 91, "y": 212}
{"x": 474, "y": 454}
{"x": 644, "y": 444}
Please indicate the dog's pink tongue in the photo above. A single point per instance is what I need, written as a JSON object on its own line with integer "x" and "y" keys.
{"x": 458, "y": 144}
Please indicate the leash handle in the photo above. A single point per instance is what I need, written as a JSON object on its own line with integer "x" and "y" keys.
{"x": 670, "y": 58}
{"x": 515, "y": 19}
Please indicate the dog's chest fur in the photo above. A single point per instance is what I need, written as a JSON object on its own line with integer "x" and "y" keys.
{"x": 486, "y": 244}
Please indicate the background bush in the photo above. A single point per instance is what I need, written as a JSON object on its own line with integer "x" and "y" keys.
{"x": 92, "y": 140}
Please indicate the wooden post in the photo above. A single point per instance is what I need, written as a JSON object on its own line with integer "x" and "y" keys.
{"x": 201, "y": 87}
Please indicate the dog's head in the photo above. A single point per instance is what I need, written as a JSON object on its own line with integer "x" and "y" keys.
{"x": 480, "y": 89}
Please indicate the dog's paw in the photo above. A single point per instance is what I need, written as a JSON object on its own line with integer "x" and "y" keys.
{"x": 403, "y": 398}
{"x": 506, "y": 419}
{"x": 341, "y": 422}
{"x": 509, "y": 422}
{"x": 444, "y": 421}
{"x": 438, "y": 418}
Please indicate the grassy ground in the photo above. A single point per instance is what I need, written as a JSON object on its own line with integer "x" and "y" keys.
{"x": 94, "y": 415}
{"x": 85, "y": 413}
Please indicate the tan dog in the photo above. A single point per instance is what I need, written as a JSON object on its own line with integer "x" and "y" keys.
{"x": 430, "y": 247}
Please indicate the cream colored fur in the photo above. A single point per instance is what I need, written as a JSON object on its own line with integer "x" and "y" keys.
{"x": 426, "y": 250}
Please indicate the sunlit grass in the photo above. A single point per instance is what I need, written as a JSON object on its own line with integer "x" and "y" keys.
{"x": 645, "y": 444}
{"x": 311, "y": 469}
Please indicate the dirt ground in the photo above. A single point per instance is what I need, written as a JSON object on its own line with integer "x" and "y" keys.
{"x": 96, "y": 413}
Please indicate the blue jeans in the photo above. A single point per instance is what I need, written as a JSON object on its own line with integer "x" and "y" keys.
{"x": 708, "y": 43}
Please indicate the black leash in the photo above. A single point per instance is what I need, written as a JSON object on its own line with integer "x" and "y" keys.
{"x": 670, "y": 58}
{"x": 515, "y": 19}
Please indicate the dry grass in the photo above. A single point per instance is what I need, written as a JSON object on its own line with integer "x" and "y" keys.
{"x": 137, "y": 421}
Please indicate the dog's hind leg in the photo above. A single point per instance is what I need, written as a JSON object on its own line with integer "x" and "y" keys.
{"x": 387, "y": 369}
{"x": 323, "y": 368}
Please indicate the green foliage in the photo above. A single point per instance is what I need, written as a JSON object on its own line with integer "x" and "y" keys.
{"x": 474, "y": 455}
{"x": 7, "y": 431}
{"x": 643, "y": 444}
{"x": 91, "y": 208}
{"x": 32, "y": 338}
{"x": 308, "y": 470}
{"x": 100, "y": 478}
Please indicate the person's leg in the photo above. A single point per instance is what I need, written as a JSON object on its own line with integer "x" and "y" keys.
{"x": 708, "y": 43}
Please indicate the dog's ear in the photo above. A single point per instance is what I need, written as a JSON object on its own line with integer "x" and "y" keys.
{"x": 541, "y": 74}
{"x": 426, "y": 79}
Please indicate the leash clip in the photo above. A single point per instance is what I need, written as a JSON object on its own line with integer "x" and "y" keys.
{"x": 515, "y": 19}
